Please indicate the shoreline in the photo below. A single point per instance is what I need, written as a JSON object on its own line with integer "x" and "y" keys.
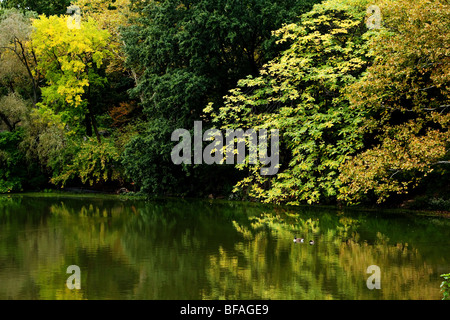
{"x": 133, "y": 197}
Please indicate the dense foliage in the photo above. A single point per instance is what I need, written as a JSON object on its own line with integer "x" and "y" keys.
{"x": 301, "y": 94}
{"x": 189, "y": 53}
{"x": 47, "y": 7}
{"x": 445, "y": 286}
{"x": 363, "y": 113}
{"x": 406, "y": 100}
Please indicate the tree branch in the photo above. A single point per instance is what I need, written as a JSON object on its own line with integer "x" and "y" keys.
{"x": 444, "y": 106}
{"x": 440, "y": 162}
{"x": 6, "y": 121}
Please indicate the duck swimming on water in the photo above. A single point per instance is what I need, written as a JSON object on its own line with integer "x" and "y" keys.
{"x": 300, "y": 240}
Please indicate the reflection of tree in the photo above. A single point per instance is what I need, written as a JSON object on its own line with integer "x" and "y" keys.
{"x": 260, "y": 268}
{"x": 399, "y": 281}
{"x": 49, "y": 236}
{"x": 170, "y": 243}
{"x": 199, "y": 250}
{"x": 334, "y": 268}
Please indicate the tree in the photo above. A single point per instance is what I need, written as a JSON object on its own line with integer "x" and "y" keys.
{"x": 47, "y": 7}
{"x": 17, "y": 56}
{"x": 19, "y": 91}
{"x": 16, "y": 77}
{"x": 186, "y": 54}
{"x": 71, "y": 61}
{"x": 13, "y": 110}
{"x": 113, "y": 17}
{"x": 301, "y": 93}
{"x": 405, "y": 95}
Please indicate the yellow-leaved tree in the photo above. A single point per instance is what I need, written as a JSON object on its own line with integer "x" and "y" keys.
{"x": 111, "y": 16}
{"x": 72, "y": 62}
{"x": 406, "y": 97}
{"x": 73, "y": 56}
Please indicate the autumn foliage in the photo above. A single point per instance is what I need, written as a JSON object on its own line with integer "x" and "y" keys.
{"x": 363, "y": 112}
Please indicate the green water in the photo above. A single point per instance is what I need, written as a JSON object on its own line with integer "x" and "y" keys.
{"x": 176, "y": 249}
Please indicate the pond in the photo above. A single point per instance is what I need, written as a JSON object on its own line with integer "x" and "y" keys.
{"x": 191, "y": 249}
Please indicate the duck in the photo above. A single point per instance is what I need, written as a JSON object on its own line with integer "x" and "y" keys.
{"x": 311, "y": 242}
{"x": 300, "y": 240}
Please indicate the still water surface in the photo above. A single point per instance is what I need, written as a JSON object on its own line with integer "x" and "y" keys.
{"x": 176, "y": 249}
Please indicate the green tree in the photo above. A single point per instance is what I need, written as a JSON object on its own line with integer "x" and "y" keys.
{"x": 19, "y": 91}
{"x": 11, "y": 176}
{"x": 301, "y": 93}
{"x": 16, "y": 173}
{"x": 90, "y": 162}
{"x": 186, "y": 54}
{"x": 48, "y": 7}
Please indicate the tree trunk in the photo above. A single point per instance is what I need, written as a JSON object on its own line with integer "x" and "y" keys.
{"x": 7, "y": 122}
{"x": 88, "y": 124}
{"x": 94, "y": 125}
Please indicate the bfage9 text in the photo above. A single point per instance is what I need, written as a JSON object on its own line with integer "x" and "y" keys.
{"x": 239, "y": 309}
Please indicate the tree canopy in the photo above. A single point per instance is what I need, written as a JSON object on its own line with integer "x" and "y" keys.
{"x": 362, "y": 112}
{"x": 47, "y": 7}
{"x": 358, "y": 90}
{"x": 189, "y": 53}
{"x": 405, "y": 96}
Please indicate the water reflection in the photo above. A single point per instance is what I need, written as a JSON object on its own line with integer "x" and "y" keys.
{"x": 174, "y": 249}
